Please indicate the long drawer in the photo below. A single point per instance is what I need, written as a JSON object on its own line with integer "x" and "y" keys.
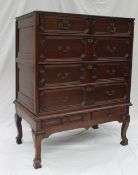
{"x": 66, "y": 48}
{"x": 63, "y": 23}
{"x": 82, "y": 96}
{"x": 67, "y": 74}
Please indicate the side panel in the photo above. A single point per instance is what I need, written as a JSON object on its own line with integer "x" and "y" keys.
{"x": 25, "y": 62}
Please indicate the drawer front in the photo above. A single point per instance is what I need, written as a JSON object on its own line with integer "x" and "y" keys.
{"x": 110, "y": 70}
{"x": 107, "y": 48}
{"x": 79, "y": 120}
{"x": 63, "y": 74}
{"x": 70, "y": 122}
{"x": 102, "y": 27}
{"x": 62, "y": 98}
{"x": 64, "y": 24}
{"x": 112, "y": 114}
{"x": 103, "y": 93}
{"x": 58, "y": 48}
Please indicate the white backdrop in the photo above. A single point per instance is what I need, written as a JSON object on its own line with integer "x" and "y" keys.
{"x": 70, "y": 153}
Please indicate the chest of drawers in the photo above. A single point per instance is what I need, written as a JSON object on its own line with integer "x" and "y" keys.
{"x": 72, "y": 71}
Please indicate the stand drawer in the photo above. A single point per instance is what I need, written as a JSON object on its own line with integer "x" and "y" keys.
{"x": 107, "y": 115}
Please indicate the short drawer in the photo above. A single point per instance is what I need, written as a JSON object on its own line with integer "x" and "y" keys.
{"x": 80, "y": 120}
{"x": 69, "y": 122}
{"x": 76, "y": 118}
{"x": 107, "y": 115}
{"x": 109, "y": 92}
{"x": 60, "y": 74}
{"x": 58, "y": 48}
{"x": 64, "y": 24}
{"x": 112, "y": 27}
{"x": 109, "y": 70}
{"x": 61, "y": 98}
{"x": 55, "y": 125}
{"x": 112, "y": 47}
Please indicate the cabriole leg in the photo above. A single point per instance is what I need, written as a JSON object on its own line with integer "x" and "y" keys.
{"x": 19, "y": 129}
{"x": 37, "y": 138}
{"x": 124, "y": 130}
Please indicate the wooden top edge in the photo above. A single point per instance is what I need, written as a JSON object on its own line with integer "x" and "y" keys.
{"x": 71, "y": 14}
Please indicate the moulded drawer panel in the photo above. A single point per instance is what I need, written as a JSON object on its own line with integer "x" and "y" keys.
{"x": 107, "y": 71}
{"x": 115, "y": 47}
{"x": 58, "y": 48}
{"x": 110, "y": 92}
{"x": 62, "y": 74}
{"x": 64, "y": 24}
{"x": 112, "y": 27}
{"x": 62, "y": 98}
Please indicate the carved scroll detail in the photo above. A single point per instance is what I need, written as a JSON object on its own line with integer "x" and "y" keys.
{"x": 63, "y": 76}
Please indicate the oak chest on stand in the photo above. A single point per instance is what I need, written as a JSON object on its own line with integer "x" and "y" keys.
{"x": 72, "y": 71}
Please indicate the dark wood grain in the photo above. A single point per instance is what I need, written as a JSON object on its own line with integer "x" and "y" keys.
{"x": 72, "y": 71}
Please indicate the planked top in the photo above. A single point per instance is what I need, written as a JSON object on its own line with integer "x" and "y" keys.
{"x": 71, "y": 14}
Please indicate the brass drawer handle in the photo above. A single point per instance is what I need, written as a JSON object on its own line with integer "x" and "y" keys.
{"x": 111, "y": 72}
{"x": 64, "y": 49}
{"x": 110, "y": 92}
{"x": 111, "y": 49}
{"x": 63, "y": 76}
{"x": 64, "y": 25}
{"x": 90, "y": 67}
{"x": 90, "y": 40}
{"x": 88, "y": 89}
{"x": 111, "y": 28}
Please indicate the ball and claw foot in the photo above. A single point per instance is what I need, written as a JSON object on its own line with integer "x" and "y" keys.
{"x": 37, "y": 164}
{"x": 124, "y": 142}
{"x": 18, "y": 140}
{"x": 95, "y": 127}
{"x": 18, "y": 121}
{"x": 87, "y": 128}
